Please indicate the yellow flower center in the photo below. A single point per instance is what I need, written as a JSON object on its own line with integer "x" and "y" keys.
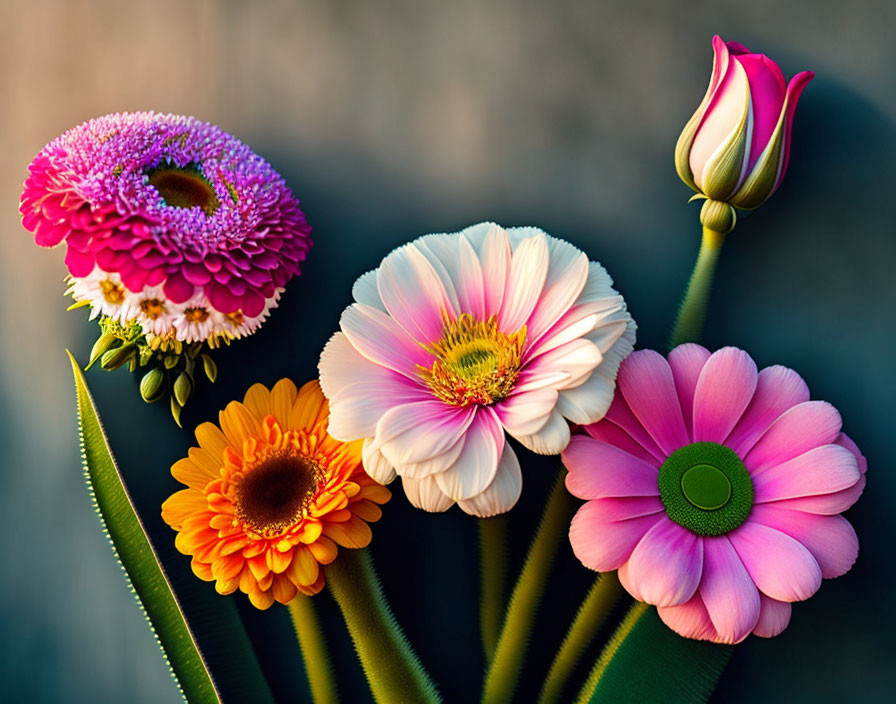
{"x": 152, "y": 307}
{"x": 184, "y": 187}
{"x": 474, "y": 361}
{"x": 196, "y": 315}
{"x": 112, "y": 292}
{"x": 235, "y": 319}
{"x": 276, "y": 492}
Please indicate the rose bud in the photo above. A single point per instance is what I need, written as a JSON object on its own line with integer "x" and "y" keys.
{"x": 736, "y": 146}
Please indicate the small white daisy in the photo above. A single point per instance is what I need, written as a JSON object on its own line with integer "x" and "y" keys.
{"x": 102, "y": 290}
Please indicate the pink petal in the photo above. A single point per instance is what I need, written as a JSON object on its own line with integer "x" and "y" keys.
{"x": 621, "y": 415}
{"x": 178, "y": 289}
{"x": 773, "y": 617}
{"x": 825, "y": 504}
{"x": 359, "y": 391}
{"x": 527, "y": 412}
{"x": 803, "y": 427}
{"x": 686, "y": 362}
{"x": 470, "y": 285}
{"x": 690, "y": 619}
{"x": 831, "y": 539}
{"x": 425, "y": 493}
{"x": 823, "y": 470}
{"x": 602, "y": 545}
{"x": 665, "y": 567}
{"x": 567, "y": 275}
{"x": 418, "y": 431}
{"x": 794, "y": 90}
{"x": 477, "y": 464}
{"x": 614, "y": 435}
{"x": 79, "y": 264}
{"x": 503, "y": 493}
{"x": 780, "y": 566}
{"x": 495, "y": 255}
{"x": 728, "y": 592}
{"x": 723, "y": 392}
{"x": 598, "y": 469}
{"x": 575, "y": 360}
{"x": 778, "y": 389}
{"x": 845, "y": 441}
{"x": 528, "y": 271}
{"x": 767, "y": 89}
{"x": 414, "y": 294}
{"x": 646, "y": 382}
{"x": 381, "y": 340}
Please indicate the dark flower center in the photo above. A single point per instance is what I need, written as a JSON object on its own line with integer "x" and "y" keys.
{"x": 272, "y": 495}
{"x": 706, "y": 488}
{"x": 184, "y": 187}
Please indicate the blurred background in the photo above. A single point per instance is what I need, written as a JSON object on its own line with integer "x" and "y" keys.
{"x": 394, "y": 119}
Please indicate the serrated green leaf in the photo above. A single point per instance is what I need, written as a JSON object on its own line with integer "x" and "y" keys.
{"x": 147, "y": 578}
{"x": 646, "y": 661}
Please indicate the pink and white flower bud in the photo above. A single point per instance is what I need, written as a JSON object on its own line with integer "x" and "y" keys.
{"x": 736, "y": 147}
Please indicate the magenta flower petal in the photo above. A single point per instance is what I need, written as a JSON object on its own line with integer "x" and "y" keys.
{"x": 831, "y": 539}
{"x": 612, "y": 434}
{"x": 780, "y": 566}
{"x": 773, "y": 617}
{"x": 648, "y": 387}
{"x": 665, "y": 566}
{"x": 727, "y": 591}
{"x": 620, "y": 414}
{"x": 586, "y": 459}
{"x": 724, "y": 390}
{"x": 821, "y": 470}
{"x": 686, "y": 362}
{"x": 802, "y": 428}
{"x": 619, "y": 539}
{"x": 778, "y": 389}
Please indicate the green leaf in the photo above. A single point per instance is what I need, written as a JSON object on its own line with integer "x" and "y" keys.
{"x": 148, "y": 581}
{"x": 646, "y": 661}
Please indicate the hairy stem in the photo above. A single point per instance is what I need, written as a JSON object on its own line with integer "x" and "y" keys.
{"x": 493, "y": 564}
{"x": 314, "y": 651}
{"x": 689, "y": 323}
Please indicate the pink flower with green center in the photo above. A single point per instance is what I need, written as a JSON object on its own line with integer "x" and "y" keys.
{"x": 715, "y": 491}
{"x": 457, "y": 339}
{"x": 166, "y": 200}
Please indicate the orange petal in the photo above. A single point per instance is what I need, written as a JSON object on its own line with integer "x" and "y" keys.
{"x": 238, "y": 423}
{"x": 367, "y": 510}
{"x": 211, "y": 439}
{"x": 248, "y": 583}
{"x": 181, "y": 505}
{"x": 351, "y": 534}
{"x": 259, "y": 566}
{"x": 187, "y": 472}
{"x": 324, "y": 550}
{"x": 227, "y": 567}
{"x": 311, "y": 531}
{"x": 283, "y": 396}
{"x": 265, "y": 582}
{"x": 261, "y": 599}
{"x": 258, "y": 400}
{"x": 304, "y": 569}
{"x": 227, "y": 586}
{"x": 314, "y": 588}
{"x": 340, "y": 516}
{"x": 203, "y": 570}
{"x": 375, "y": 492}
{"x": 284, "y": 590}
{"x": 278, "y": 561}
{"x": 309, "y": 408}
{"x": 255, "y": 547}
{"x": 205, "y": 460}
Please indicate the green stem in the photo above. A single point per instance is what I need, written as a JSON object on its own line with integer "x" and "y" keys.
{"x": 636, "y": 611}
{"x": 504, "y": 671}
{"x": 592, "y": 614}
{"x": 493, "y": 564}
{"x": 393, "y": 670}
{"x": 314, "y": 651}
{"x": 689, "y": 324}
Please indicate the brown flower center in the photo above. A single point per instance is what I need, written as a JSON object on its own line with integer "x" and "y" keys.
{"x": 273, "y": 495}
{"x": 152, "y": 307}
{"x": 196, "y": 315}
{"x": 184, "y": 187}
{"x": 112, "y": 292}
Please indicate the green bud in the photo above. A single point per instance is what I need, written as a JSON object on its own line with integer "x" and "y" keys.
{"x": 117, "y": 357}
{"x": 718, "y": 216}
{"x": 176, "y": 408}
{"x": 152, "y": 385}
{"x": 211, "y": 369}
{"x": 183, "y": 385}
{"x": 171, "y": 361}
{"x": 104, "y": 343}
{"x": 146, "y": 353}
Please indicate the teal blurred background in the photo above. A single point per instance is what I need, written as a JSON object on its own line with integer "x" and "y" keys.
{"x": 393, "y": 119}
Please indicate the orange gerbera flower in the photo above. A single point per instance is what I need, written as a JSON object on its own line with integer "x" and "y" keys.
{"x": 271, "y": 495}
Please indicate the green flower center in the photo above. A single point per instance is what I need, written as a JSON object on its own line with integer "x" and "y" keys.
{"x": 184, "y": 187}
{"x": 706, "y": 488}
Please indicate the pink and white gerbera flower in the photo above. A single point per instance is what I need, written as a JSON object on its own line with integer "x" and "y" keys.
{"x": 457, "y": 338}
{"x": 715, "y": 491}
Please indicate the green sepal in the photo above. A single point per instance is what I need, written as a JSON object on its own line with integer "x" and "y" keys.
{"x": 176, "y": 409}
{"x": 183, "y": 387}
{"x": 211, "y": 369}
{"x": 724, "y": 168}
{"x": 646, "y": 661}
{"x": 761, "y": 181}
{"x": 152, "y": 385}
{"x": 115, "y": 358}
{"x": 103, "y": 344}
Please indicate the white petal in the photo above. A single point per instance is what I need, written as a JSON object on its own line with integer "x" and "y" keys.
{"x": 503, "y": 492}
{"x": 526, "y": 412}
{"x": 377, "y": 466}
{"x": 476, "y": 466}
{"x": 420, "y": 431}
{"x": 425, "y": 493}
{"x": 588, "y": 402}
{"x": 552, "y": 439}
{"x": 528, "y": 271}
{"x": 365, "y": 291}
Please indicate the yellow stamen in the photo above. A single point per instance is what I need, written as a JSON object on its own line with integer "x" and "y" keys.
{"x": 152, "y": 307}
{"x": 196, "y": 315}
{"x": 112, "y": 292}
{"x": 474, "y": 361}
